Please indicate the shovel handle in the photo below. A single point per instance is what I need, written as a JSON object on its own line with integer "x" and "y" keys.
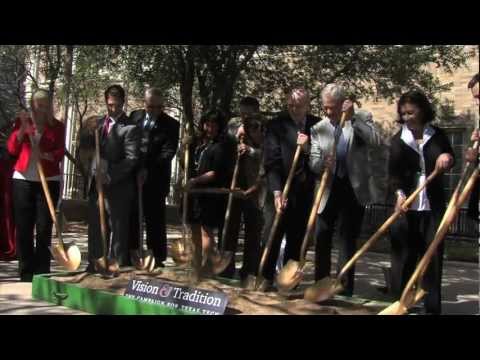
{"x": 101, "y": 196}
{"x": 312, "y": 220}
{"x": 278, "y": 215}
{"x": 185, "y": 181}
{"x": 318, "y": 198}
{"x": 48, "y": 197}
{"x": 460, "y": 185}
{"x": 230, "y": 199}
{"x": 449, "y": 217}
{"x": 383, "y": 229}
{"x": 140, "y": 215}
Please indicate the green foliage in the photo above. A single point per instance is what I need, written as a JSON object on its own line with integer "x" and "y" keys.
{"x": 195, "y": 78}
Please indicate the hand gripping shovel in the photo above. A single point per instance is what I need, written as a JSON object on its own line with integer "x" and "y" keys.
{"x": 67, "y": 255}
{"x": 327, "y": 287}
{"x": 261, "y": 282}
{"x": 292, "y": 273}
{"x": 413, "y": 293}
{"x": 178, "y": 249}
{"x": 142, "y": 259}
{"x": 225, "y": 257}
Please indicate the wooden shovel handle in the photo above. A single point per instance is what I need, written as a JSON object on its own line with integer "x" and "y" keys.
{"x": 318, "y": 198}
{"x": 449, "y": 217}
{"x": 48, "y": 197}
{"x": 186, "y": 166}
{"x": 313, "y": 213}
{"x": 140, "y": 214}
{"x": 233, "y": 185}
{"x": 101, "y": 196}
{"x": 383, "y": 229}
{"x": 278, "y": 215}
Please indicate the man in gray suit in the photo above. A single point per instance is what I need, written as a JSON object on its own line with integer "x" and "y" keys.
{"x": 119, "y": 153}
{"x": 348, "y": 191}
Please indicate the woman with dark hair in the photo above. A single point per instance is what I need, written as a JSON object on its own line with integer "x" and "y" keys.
{"x": 415, "y": 152}
{"x": 37, "y": 137}
{"x": 212, "y": 166}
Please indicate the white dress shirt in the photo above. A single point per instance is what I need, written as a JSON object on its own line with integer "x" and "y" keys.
{"x": 421, "y": 202}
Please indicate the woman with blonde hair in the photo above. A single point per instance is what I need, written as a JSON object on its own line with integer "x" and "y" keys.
{"x": 37, "y": 136}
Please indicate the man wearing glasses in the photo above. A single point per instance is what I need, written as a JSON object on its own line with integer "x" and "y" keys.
{"x": 159, "y": 143}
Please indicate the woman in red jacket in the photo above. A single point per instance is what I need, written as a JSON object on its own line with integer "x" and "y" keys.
{"x": 29, "y": 203}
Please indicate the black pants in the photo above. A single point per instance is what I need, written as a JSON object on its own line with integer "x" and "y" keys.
{"x": 118, "y": 208}
{"x": 343, "y": 209}
{"x": 252, "y": 218}
{"x": 31, "y": 211}
{"x": 410, "y": 236}
{"x": 292, "y": 224}
{"x": 154, "y": 212}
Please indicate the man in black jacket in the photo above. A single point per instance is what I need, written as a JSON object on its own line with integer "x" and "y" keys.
{"x": 159, "y": 143}
{"x": 282, "y": 136}
{"x": 119, "y": 153}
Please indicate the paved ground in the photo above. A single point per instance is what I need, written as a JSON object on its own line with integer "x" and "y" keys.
{"x": 460, "y": 282}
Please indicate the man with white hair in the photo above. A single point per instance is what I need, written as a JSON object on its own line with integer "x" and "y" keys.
{"x": 283, "y": 133}
{"x": 347, "y": 193}
{"x": 159, "y": 143}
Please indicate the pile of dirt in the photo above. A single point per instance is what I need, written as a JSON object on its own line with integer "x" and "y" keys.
{"x": 240, "y": 301}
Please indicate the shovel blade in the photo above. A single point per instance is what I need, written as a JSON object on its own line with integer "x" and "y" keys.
{"x": 322, "y": 290}
{"x": 249, "y": 283}
{"x": 261, "y": 284}
{"x": 394, "y": 309}
{"x": 220, "y": 265}
{"x": 290, "y": 276}
{"x": 179, "y": 253}
{"x": 101, "y": 264}
{"x": 68, "y": 256}
{"x": 149, "y": 261}
{"x": 113, "y": 266}
{"x": 137, "y": 260}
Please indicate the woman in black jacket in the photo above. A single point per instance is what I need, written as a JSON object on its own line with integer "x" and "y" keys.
{"x": 213, "y": 158}
{"x": 415, "y": 151}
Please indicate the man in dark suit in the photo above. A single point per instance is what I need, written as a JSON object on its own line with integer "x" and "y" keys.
{"x": 119, "y": 152}
{"x": 282, "y": 136}
{"x": 159, "y": 143}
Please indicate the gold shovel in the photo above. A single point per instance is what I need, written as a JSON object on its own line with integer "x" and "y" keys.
{"x": 142, "y": 259}
{"x": 102, "y": 264}
{"x": 226, "y": 256}
{"x": 66, "y": 255}
{"x": 261, "y": 283}
{"x": 327, "y": 287}
{"x": 413, "y": 293}
{"x": 292, "y": 273}
{"x": 178, "y": 250}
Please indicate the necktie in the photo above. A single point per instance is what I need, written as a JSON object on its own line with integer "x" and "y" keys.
{"x": 108, "y": 121}
{"x": 341, "y": 152}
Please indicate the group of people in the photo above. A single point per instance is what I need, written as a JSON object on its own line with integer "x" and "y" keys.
{"x": 137, "y": 151}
